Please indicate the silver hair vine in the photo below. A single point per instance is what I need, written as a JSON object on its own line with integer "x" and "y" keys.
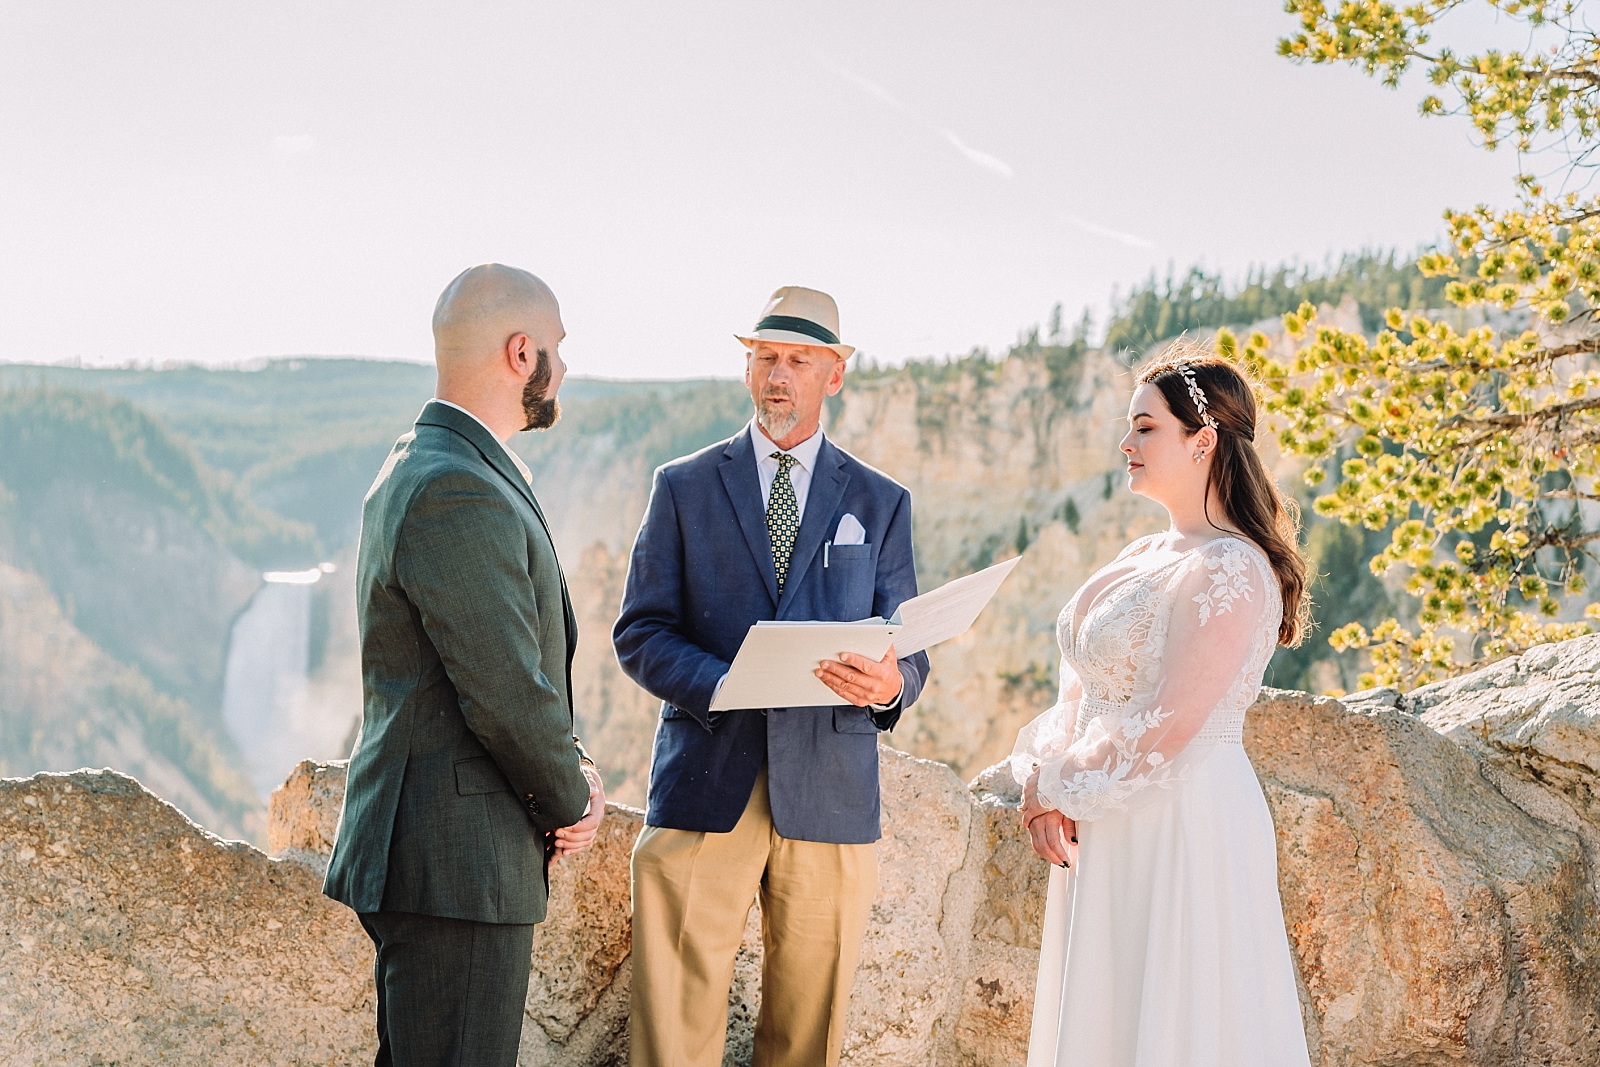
{"x": 1197, "y": 394}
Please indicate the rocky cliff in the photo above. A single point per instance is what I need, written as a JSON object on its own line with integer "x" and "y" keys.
{"x": 65, "y": 702}
{"x": 1437, "y": 857}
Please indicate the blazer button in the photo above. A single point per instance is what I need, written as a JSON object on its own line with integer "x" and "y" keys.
{"x": 533, "y": 805}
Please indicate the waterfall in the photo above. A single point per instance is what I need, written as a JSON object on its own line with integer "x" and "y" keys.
{"x": 266, "y": 688}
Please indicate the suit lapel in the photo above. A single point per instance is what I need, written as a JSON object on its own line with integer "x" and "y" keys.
{"x": 828, "y": 483}
{"x": 436, "y": 414}
{"x": 493, "y": 453}
{"x": 744, "y": 490}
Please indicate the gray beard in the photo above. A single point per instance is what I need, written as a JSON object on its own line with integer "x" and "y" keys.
{"x": 776, "y": 426}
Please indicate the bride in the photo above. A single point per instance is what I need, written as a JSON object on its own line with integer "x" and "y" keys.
{"x": 1164, "y": 942}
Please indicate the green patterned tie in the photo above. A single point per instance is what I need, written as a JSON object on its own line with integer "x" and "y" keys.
{"x": 783, "y": 516}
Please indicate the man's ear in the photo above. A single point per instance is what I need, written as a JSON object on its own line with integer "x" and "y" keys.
{"x": 519, "y": 354}
{"x": 747, "y": 357}
{"x": 836, "y": 378}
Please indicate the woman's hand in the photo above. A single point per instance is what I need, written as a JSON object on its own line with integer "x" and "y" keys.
{"x": 1053, "y": 835}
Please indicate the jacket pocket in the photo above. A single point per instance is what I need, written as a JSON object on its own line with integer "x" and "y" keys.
{"x": 852, "y": 720}
{"x": 848, "y": 581}
{"x": 480, "y": 775}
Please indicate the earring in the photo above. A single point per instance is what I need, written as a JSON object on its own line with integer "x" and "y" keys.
{"x": 1198, "y": 456}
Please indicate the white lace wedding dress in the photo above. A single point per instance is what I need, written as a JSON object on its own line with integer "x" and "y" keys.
{"x": 1165, "y": 945}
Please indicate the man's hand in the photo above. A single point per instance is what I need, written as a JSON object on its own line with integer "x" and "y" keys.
{"x": 580, "y": 835}
{"x": 862, "y": 681}
{"x": 1054, "y": 836}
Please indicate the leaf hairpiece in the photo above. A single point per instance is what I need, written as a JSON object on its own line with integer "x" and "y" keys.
{"x": 1197, "y": 394}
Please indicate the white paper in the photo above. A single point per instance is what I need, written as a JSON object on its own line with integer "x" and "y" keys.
{"x": 774, "y": 664}
{"x": 950, "y": 610}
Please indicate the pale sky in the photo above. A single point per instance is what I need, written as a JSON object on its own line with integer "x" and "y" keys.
{"x": 222, "y": 181}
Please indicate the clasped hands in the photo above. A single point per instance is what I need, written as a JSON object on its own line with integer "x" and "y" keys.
{"x": 862, "y": 681}
{"x": 581, "y": 834}
{"x": 1054, "y": 836}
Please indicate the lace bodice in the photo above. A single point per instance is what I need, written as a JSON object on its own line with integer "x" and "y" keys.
{"x": 1161, "y": 653}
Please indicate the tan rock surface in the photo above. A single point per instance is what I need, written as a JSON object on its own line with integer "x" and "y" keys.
{"x": 1536, "y": 716}
{"x": 912, "y": 956}
{"x": 303, "y": 812}
{"x": 1433, "y": 920}
{"x": 577, "y": 1009}
{"x": 128, "y": 935}
{"x": 1441, "y": 906}
{"x": 577, "y": 1005}
{"x": 1003, "y": 953}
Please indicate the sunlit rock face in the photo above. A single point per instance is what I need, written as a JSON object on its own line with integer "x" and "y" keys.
{"x": 1435, "y": 917}
{"x": 1439, "y": 891}
{"x": 132, "y": 936}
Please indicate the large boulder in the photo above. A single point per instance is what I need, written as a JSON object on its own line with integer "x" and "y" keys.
{"x": 132, "y": 936}
{"x": 1433, "y": 919}
{"x": 1534, "y": 723}
{"x": 1003, "y": 947}
{"x": 1437, "y": 862}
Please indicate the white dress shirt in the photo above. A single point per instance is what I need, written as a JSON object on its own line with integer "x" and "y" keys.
{"x": 522, "y": 468}
{"x": 805, "y": 454}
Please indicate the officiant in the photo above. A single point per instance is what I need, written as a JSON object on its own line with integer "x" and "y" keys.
{"x": 776, "y": 523}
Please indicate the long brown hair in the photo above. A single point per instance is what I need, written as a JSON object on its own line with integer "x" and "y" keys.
{"x": 1248, "y": 494}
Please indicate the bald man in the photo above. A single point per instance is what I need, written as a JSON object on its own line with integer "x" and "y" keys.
{"x": 467, "y": 780}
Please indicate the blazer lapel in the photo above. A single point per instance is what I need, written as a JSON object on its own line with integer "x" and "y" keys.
{"x": 436, "y": 414}
{"x": 828, "y": 483}
{"x": 744, "y": 489}
{"x": 493, "y": 453}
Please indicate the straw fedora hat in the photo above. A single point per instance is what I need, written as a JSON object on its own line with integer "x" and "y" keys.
{"x": 799, "y": 316}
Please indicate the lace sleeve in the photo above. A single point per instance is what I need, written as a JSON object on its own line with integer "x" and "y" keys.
{"x": 1050, "y": 735}
{"x": 1224, "y": 608}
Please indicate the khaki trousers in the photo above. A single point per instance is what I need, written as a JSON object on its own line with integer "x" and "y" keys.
{"x": 691, "y": 896}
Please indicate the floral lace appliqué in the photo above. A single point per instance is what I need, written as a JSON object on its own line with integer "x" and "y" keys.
{"x": 1110, "y": 785}
{"x": 1115, "y": 655}
{"x": 1230, "y": 581}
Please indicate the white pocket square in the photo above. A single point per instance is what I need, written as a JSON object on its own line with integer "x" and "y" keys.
{"x": 850, "y": 532}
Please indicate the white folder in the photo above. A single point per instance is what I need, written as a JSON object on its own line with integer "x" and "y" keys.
{"x": 775, "y": 662}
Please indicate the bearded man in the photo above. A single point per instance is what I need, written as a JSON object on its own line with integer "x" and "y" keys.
{"x": 466, "y": 780}
{"x": 775, "y": 523}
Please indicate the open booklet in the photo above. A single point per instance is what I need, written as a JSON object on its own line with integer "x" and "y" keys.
{"x": 775, "y": 663}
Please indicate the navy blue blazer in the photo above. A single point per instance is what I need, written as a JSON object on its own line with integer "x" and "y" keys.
{"x": 700, "y": 576}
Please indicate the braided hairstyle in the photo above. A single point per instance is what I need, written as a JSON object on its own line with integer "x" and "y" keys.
{"x": 1249, "y": 496}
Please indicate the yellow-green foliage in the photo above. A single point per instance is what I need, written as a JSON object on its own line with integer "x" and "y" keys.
{"x": 1478, "y": 448}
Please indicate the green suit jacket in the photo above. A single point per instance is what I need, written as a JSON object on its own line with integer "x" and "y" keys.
{"x": 466, "y": 758}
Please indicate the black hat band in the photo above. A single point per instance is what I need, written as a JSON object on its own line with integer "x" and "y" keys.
{"x": 797, "y": 325}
